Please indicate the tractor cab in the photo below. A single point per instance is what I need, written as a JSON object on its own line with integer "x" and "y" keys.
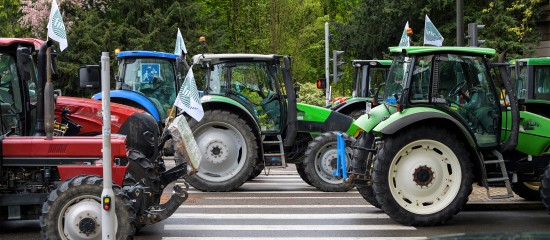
{"x": 255, "y": 81}
{"x": 531, "y": 80}
{"x": 369, "y": 75}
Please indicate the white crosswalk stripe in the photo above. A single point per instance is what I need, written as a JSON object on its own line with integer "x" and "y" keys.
{"x": 280, "y": 206}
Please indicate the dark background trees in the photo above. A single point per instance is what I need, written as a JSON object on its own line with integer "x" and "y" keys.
{"x": 364, "y": 29}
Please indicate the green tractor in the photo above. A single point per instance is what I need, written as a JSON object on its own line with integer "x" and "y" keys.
{"x": 369, "y": 74}
{"x": 441, "y": 127}
{"x": 252, "y": 121}
{"x": 531, "y": 80}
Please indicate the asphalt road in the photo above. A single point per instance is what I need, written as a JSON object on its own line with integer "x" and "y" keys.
{"x": 282, "y": 206}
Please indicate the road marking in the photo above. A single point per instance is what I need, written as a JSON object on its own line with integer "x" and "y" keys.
{"x": 276, "y": 206}
{"x": 278, "y": 192}
{"x": 240, "y": 198}
{"x": 294, "y": 238}
{"x": 191, "y": 227}
{"x": 280, "y": 216}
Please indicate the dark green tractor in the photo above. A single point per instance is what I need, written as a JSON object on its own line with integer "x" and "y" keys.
{"x": 252, "y": 122}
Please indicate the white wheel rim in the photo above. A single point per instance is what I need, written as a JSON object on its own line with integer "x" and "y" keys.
{"x": 325, "y": 162}
{"x": 224, "y": 151}
{"x": 81, "y": 208}
{"x": 425, "y": 194}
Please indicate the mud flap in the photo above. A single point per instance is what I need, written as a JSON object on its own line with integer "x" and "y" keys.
{"x": 341, "y": 164}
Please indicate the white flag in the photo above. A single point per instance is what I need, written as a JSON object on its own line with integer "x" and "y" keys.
{"x": 431, "y": 35}
{"x": 404, "y": 42}
{"x": 188, "y": 97}
{"x": 180, "y": 44}
{"x": 56, "y": 28}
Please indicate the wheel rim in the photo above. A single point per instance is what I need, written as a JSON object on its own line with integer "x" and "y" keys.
{"x": 425, "y": 177}
{"x": 223, "y": 149}
{"x": 535, "y": 186}
{"x": 325, "y": 162}
{"x": 80, "y": 218}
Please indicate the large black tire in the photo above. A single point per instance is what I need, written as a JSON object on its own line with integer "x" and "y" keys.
{"x": 527, "y": 190}
{"x": 257, "y": 171}
{"x": 423, "y": 176}
{"x": 78, "y": 201}
{"x": 355, "y": 114}
{"x": 320, "y": 162}
{"x": 545, "y": 189}
{"x": 229, "y": 151}
{"x": 359, "y": 166}
{"x": 141, "y": 171}
{"x": 302, "y": 172}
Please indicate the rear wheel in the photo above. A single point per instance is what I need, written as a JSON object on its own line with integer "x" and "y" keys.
{"x": 359, "y": 166}
{"x": 423, "y": 176}
{"x": 73, "y": 211}
{"x": 527, "y": 190}
{"x": 229, "y": 151}
{"x": 545, "y": 189}
{"x": 302, "y": 173}
{"x": 320, "y": 162}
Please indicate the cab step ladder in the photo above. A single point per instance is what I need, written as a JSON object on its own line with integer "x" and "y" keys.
{"x": 504, "y": 178}
{"x": 274, "y": 153}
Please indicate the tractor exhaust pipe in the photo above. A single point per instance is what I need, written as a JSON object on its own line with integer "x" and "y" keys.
{"x": 48, "y": 97}
{"x": 41, "y": 81}
{"x": 513, "y": 140}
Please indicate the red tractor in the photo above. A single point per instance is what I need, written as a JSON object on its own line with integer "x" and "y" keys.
{"x": 58, "y": 178}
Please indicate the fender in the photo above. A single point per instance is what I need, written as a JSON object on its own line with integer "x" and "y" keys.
{"x": 376, "y": 115}
{"x": 351, "y": 104}
{"x": 398, "y": 121}
{"x": 70, "y": 171}
{"x": 135, "y": 97}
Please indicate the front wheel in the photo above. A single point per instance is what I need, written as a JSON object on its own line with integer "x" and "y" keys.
{"x": 359, "y": 163}
{"x": 73, "y": 211}
{"x": 229, "y": 151}
{"x": 528, "y": 190}
{"x": 545, "y": 189}
{"x": 423, "y": 176}
{"x": 320, "y": 162}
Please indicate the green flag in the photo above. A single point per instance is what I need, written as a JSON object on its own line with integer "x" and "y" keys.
{"x": 431, "y": 35}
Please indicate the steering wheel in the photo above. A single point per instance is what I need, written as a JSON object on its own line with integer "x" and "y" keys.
{"x": 457, "y": 89}
{"x": 270, "y": 98}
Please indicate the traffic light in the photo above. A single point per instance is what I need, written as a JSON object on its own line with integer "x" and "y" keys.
{"x": 336, "y": 63}
{"x": 321, "y": 83}
{"x": 473, "y": 29}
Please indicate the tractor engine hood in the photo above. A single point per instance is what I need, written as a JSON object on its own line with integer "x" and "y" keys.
{"x": 88, "y": 113}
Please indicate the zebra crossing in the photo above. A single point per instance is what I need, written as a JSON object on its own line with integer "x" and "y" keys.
{"x": 277, "y": 206}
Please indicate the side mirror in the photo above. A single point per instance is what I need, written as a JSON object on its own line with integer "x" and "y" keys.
{"x": 24, "y": 62}
{"x": 297, "y": 88}
{"x": 89, "y": 76}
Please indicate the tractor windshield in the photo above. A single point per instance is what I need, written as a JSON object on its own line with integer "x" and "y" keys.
{"x": 151, "y": 76}
{"x": 367, "y": 79}
{"x": 541, "y": 83}
{"x": 519, "y": 80}
{"x": 11, "y": 98}
{"x": 396, "y": 80}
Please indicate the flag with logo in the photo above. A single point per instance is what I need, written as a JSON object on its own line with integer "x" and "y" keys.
{"x": 56, "y": 28}
{"x": 404, "y": 42}
{"x": 188, "y": 97}
{"x": 180, "y": 44}
{"x": 431, "y": 35}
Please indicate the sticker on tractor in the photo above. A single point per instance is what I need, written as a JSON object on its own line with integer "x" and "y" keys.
{"x": 149, "y": 71}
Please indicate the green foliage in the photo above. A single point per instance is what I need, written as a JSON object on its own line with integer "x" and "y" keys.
{"x": 364, "y": 29}
{"x": 310, "y": 94}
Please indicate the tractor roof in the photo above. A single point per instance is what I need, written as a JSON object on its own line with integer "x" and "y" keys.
{"x": 533, "y": 61}
{"x": 371, "y": 62}
{"x": 154, "y": 54}
{"x": 422, "y": 50}
{"x": 215, "y": 58}
{"x": 36, "y": 43}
